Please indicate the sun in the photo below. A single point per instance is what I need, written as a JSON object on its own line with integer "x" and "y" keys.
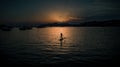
{"x": 59, "y": 17}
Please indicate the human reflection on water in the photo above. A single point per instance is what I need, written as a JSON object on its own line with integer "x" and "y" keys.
{"x": 61, "y": 42}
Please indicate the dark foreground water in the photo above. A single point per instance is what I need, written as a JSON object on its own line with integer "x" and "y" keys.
{"x": 81, "y": 46}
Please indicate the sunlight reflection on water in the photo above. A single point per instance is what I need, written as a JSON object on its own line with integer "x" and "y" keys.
{"x": 53, "y": 35}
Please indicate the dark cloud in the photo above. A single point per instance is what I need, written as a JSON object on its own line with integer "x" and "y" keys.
{"x": 110, "y": 3}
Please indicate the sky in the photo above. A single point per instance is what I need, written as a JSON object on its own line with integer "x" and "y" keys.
{"x": 58, "y": 10}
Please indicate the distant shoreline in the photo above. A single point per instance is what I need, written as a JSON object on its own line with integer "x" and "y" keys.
{"x": 27, "y": 26}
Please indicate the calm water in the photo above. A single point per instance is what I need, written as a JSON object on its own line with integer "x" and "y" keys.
{"x": 42, "y": 46}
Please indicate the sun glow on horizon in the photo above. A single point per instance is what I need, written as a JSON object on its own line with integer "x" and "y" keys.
{"x": 56, "y": 16}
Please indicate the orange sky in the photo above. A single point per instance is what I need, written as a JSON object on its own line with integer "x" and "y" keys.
{"x": 55, "y": 16}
